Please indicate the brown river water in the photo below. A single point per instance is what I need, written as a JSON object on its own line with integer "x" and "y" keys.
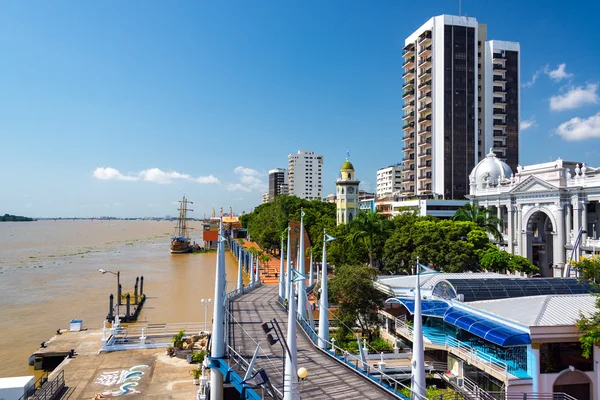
{"x": 49, "y": 275}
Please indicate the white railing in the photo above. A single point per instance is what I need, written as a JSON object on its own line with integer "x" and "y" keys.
{"x": 373, "y": 372}
{"x": 464, "y": 350}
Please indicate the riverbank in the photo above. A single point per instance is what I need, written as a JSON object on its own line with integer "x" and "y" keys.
{"x": 49, "y": 275}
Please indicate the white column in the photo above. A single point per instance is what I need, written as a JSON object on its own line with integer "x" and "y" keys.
{"x": 251, "y": 271}
{"x": 217, "y": 349}
{"x": 559, "y": 243}
{"x": 310, "y": 269}
{"x": 520, "y": 229}
{"x": 281, "y": 273}
{"x": 533, "y": 360}
{"x": 288, "y": 267}
{"x": 499, "y": 216}
{"x": 301, "y": 269}
{"x": 576, "y": 222}
{"x": 584, "y": 223}
{"x": 240, "y": 280}
{"x": 291, "y": 360}
{"x": 324, "y": 300}
{"x": 596, "y": 388}
{"x": 417, "y": 386}
{"x": 568, "y": 223}
{"x": 511, "y": 217}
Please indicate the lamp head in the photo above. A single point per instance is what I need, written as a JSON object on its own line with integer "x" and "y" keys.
{"x": 266, "y": 328}
{"x": 102, "y": 271}
{"x": 302, "y": 372}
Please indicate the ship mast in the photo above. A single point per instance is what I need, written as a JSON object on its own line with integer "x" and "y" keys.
{"x": 182, "y": 221}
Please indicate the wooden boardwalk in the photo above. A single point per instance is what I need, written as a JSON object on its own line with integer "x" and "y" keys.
{"x": 327, "y": 378}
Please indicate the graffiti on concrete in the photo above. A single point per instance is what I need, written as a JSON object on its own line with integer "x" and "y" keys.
{"x": 125, "y": 380}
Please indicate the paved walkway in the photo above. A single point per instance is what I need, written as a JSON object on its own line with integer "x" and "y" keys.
{"x": 327, "y": 378}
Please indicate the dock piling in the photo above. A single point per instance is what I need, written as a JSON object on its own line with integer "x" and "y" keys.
{"x": 128, "y": 305}
{"x": 110, "y": 307}
{"x": 142, "y": 285}
{"x": 119, "y": 295}
{"x": 135, "y": 290}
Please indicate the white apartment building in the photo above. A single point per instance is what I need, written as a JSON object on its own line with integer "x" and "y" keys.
{"x": 389, "y": 180}
{"x": 305, "y": 175}
{"x": 461, "y": 97}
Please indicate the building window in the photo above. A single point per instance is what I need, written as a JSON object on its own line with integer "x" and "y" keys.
{"x": 556, "y": 357}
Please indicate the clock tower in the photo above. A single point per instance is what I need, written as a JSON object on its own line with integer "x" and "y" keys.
{"x": 346, "y": 194}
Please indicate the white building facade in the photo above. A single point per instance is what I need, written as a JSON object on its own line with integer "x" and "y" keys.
{"x": 542, "y": 207}
{"x": 305, "y": 175}
{"x": 389, "y": 180}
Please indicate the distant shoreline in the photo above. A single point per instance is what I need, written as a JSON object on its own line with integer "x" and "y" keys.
{"x": 14, "y": 218}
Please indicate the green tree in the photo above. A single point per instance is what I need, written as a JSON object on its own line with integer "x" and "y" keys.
{"x": 367, "y": 227}
{"x": 353, "y": 290}
{"x": 589, "y": 325}
{"x": 481, "y": 216}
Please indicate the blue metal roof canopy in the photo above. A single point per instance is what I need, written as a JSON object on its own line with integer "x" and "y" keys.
{"x": 488, "y": 329}
{"x": 429, "y": 308}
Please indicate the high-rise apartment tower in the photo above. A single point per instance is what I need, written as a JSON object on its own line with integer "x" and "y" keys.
{"x": 305, "y": 173}
{"x": 278, "y": 182}
{"x": 461, "y": 97}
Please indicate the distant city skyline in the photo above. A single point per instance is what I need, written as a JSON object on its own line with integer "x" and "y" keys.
{"x": 118, "y": 109}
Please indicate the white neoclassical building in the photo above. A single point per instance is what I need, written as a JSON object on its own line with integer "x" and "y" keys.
{"x": 542, "y": 208}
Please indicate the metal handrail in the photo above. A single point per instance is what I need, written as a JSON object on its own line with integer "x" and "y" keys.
{"x": 464, "y": 349}
{"x": 353, "y": 361}
{"x": 239, "y": 359}
{"x": 531, "y": 396}
{"x": 49, "y": 390}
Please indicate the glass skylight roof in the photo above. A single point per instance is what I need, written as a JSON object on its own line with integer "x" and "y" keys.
{"x": 492, "y": 288}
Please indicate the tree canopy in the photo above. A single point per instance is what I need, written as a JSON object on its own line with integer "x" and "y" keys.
{"x": 482, "y": 217}
{"x": 449, "y": 245}
{"x": 357, "y": 298}
{"x": 266, "y": 223}
{"x": 14, "y": 218}
{"x": 589, "y": 325}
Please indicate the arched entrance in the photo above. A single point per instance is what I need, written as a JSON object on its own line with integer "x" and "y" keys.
{"x": 540, "y": 242}
{"x": 574, "y": 383}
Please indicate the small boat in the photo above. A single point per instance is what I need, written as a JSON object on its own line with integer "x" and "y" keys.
{"x": 180, "y": 242}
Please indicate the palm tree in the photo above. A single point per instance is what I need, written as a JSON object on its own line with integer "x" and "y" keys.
{"x": 482, "y": 217}
{"x": 366, "y": 227}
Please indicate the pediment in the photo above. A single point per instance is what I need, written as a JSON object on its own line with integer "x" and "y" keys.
{"x": 533, "y": 184}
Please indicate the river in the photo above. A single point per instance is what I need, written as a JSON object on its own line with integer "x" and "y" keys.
{"x": 49, "y": 275}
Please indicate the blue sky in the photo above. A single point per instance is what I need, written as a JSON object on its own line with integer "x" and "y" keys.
{"x": 118, "y": 108}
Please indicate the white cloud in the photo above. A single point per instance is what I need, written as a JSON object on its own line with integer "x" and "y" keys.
{"x": 559, "y": 73}
{"x": 158, "y": 176}
{"x": 580, "y": 129}
{"x": 575, "y": 97}
{"x": 527, "y": 123}
{"x": 245, "y": 171}
{"x": 534, "y": 78}
{"x": 208, "y": 179}
{"x": 238, "y": 187}
{"x": 155, "y": 175}
{"x": 112, "y": 174}
{"x": 249, "y": 180}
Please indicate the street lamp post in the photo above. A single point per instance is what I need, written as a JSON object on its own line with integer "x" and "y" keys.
{"x": 118, "y": 275}
{"x": 206, "y": 303}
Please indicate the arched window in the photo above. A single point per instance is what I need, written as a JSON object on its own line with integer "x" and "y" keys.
{"x": 342, "y": 192}
{"x": 350, "y": 217}
{"x": 349, "y": 175}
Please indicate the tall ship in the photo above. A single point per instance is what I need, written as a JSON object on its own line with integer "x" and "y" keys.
{"x": 180, "y": 242}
